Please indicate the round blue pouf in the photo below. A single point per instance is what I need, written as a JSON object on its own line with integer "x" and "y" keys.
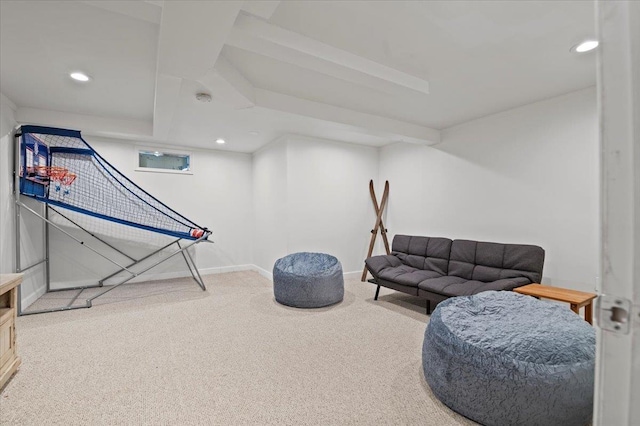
{"x": 308, "y": 280}
{"x": 502, "y": 358}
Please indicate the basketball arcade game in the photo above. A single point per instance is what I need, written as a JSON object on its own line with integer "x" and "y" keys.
{"x": 59, "y": 168}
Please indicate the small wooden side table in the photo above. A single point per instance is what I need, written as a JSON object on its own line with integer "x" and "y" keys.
{"x": 577, "y": 299}
{"x": 9, "y": 359}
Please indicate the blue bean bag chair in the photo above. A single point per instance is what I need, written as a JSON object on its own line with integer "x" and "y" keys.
{"x": 502, "y": 358}
{"x": 308, "y": 280}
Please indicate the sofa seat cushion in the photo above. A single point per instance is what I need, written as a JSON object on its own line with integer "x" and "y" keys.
{"x": 468, "y": 288}
{"x": 390, "y": 268}
{"x": 406, "y": 275}
{"x": 505, "y": 284}
{"x": 439, "y": 284}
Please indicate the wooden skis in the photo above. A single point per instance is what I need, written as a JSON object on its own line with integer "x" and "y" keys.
{"x": 379, "y": 225}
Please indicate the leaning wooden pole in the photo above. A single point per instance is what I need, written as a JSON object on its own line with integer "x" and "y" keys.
{"x": 379, "y": 224}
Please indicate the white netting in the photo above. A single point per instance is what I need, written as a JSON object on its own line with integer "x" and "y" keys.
{"x": 78, "y": 178}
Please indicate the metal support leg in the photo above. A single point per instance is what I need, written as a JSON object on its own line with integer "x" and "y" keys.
{"x": 64, "y": 308}
{"x": 197, "y": 279}
{"x": 377, "y": 292}
{"x": 82, "y": 287}
{"x": 190, "y": 268}
{"x": 428, "y": 307}
{"x": 17, "y": 268}
{"x": 101, "y": 282}
{"x": 19, "y": 206}
{"x": 16, "y": 216}
{"x": 33, "y": 265}
{"x": 47, "y": 269}
{"x": 148, "y": 268}
{"x": 16, "y": 198}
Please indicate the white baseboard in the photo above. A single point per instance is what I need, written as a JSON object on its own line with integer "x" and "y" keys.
{"x": 352, "y": 275}
{"x": 186, "y": 273}
{"x": 27, "y": 300}
{"x": 155, "y": 277}
{"x": 225, "y": 269}
{"x": 32, "y": 297}
{"x": 268, "y": 275}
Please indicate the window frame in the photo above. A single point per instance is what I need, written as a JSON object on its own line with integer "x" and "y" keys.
{"x": 142, "y": 149}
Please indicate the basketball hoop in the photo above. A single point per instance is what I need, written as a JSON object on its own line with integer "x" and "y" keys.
{"x": 51, "y": 172}
{"x": 57, "y": 175}
{"x": 66, "y": 181}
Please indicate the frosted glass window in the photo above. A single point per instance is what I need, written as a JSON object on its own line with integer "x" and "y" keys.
{"x": 164, "y": 161}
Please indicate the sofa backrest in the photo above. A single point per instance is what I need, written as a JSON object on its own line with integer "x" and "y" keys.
{"x": 484, "y": 261}
{"x": 426, "y": 253}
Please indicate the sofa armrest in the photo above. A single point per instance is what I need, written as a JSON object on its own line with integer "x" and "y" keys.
{"x": 376, "y": 264}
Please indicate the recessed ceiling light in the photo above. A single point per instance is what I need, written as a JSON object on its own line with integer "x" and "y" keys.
{"x": 585, "y": 46}
{"x": 220, "y": 141}
{"x": 79, "y": 76}
{"x": 254, "y": 132}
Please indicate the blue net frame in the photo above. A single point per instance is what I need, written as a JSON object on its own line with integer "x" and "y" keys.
{"x": 58, "y": 167}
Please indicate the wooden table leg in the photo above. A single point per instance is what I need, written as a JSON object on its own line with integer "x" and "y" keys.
{"x": 575, "y": 308}
{"x": 588, "y": 312}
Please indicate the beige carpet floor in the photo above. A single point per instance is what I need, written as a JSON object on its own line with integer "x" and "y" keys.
{"x": 167, "y": 353}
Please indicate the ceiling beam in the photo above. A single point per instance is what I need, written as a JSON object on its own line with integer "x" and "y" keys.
{"x": 389, "y": 128}
{"x": 159, "y": 3}
{"x": 192, "y": 34}
{"x": 255, "y": 35}
{"x": 90, "y": 124}
{"x": 5, "y": 101}
{"x": 165, "y": 104}
{"x": 144, "y": 11}
{"x": 193, "y": 52}
{"x": 263, "y": 8}
{"x": 228, "y": 85}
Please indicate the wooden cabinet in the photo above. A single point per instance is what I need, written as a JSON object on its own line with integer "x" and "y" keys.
{"x": 9, "y": 359}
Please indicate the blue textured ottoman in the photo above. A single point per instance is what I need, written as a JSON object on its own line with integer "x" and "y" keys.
{"x": 308, "y": 280}
{"x": 502, "y": 358}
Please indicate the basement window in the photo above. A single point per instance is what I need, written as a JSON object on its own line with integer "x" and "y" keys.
{"x": 150, "y": 160}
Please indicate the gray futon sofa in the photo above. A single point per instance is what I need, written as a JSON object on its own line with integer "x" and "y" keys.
{"x": 438, "y": 268}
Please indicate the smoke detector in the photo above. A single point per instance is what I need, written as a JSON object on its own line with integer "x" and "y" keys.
{"x": 203, "y": 97}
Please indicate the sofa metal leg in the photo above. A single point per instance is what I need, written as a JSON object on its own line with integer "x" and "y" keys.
{"x": 377, "y": 292}
{"x": 428, "y": 307}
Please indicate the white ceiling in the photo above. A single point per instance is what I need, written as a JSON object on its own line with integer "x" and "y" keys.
{"x": 365, "y": 72}
{"x": 42, "y": 41}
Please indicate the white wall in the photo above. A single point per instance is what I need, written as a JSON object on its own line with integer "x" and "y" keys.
{"x": 30, "y": 227}
{"x": 330, "y": 209}
{"x": 528, "y": 175}
{"x": 270, "y": 208}
{"x": 218, "y": 195}
{"x": 7, "y": 247}
{"x": 312, "y": 195}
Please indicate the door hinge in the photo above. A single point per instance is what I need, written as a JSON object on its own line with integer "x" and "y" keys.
{"x": 614, "y": 313}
